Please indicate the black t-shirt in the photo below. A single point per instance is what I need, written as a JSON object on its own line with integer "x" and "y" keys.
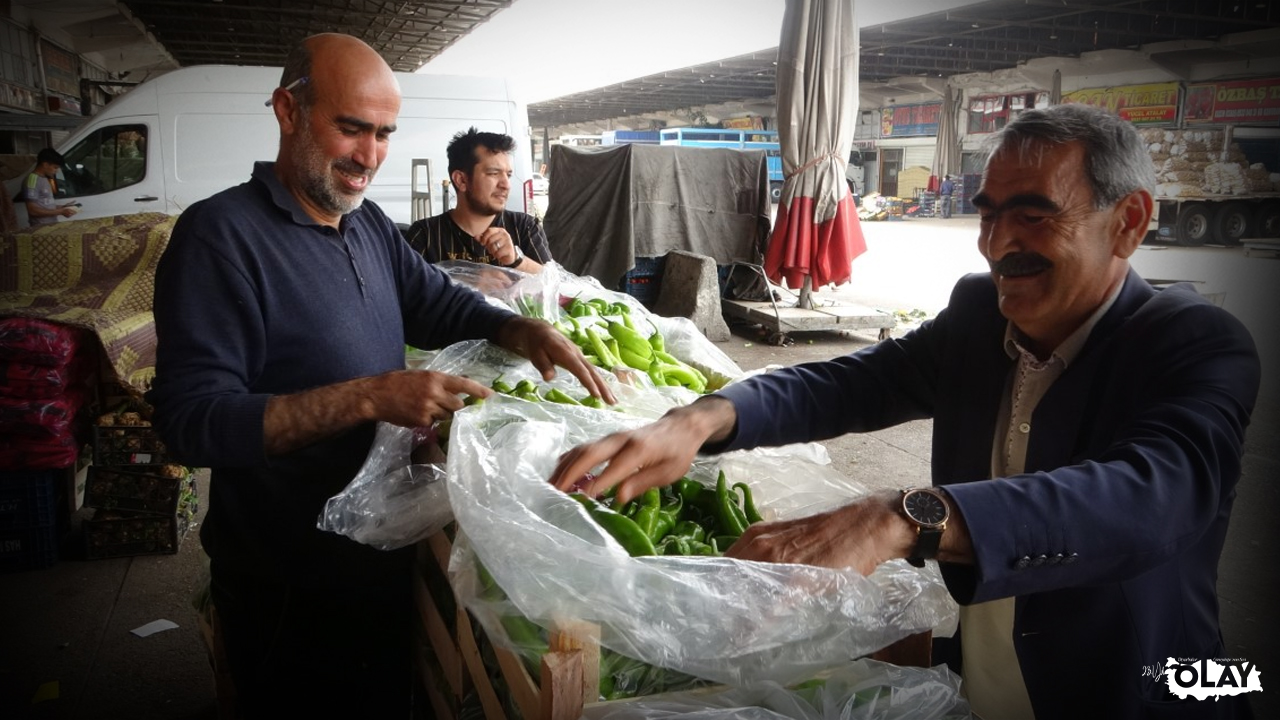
{"x": 439, "y": 238}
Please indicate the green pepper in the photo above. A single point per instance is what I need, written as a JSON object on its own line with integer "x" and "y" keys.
{"x": 600, "y": 350}
{"x": 630, "y": 339}
{"x": 600, "y": 304}
{"x": 622, "y": 528}
{"x": 655, "y": 374}
{"x": 578, "y": 308}
{"x": 527, "y": 390}
{"x": 748, "y": 503}
{"x": 722, "y": 543}
{"x": 502, "y": 387}
{"x": 593, "y": 402}
{"x": 732, "y": 520}
{"x": 689, "y": 530}
{"x": 672, "y": 545}
{"x": 657, "y": 342}
{"x": 648, "y": 508}
{"x": 668, "y": 515}
{"x": 557, "y": 395}
{"x": 700, "y": 548}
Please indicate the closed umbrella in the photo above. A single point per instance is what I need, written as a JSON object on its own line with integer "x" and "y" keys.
{"x": 816, "y": 234}
{"x": 946, "y": 156}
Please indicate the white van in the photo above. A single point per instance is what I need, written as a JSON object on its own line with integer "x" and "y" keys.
{"x": 195, "y": 131}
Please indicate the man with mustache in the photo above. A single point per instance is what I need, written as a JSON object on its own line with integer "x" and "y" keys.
{"x": 282, "y": 309}
{"x": 480, "y": 228}
{"x": 1087, "y": 440}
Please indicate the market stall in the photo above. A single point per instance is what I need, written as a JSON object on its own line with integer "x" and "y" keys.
{"x": 543, "y": 585}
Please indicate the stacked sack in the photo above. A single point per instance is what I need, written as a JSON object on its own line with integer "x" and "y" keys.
{"x": 1191, "y": 163}
{"x": 45, "y": 371}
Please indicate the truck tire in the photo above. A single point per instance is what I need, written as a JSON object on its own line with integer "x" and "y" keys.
{"x": 1266, "y": 223}
{"x": 775, "y": 192}
{"x": 1232, "y": 222}
{"x": 1193, "y": 225}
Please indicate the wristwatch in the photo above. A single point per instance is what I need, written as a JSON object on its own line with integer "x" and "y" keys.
{"x": 519, "y": 256}
{"x": 929, "y": 511}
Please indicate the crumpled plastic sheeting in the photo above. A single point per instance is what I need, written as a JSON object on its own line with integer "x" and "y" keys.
{"x": 390, "y": 503}
{"x": 862, "y": 690}
{"x": 724, "y": 620}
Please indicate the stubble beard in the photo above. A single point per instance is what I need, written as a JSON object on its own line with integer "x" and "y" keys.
{"x": 316, "y": 175}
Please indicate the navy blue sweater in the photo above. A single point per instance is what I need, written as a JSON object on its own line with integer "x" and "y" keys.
{"x": 254, "y": 299}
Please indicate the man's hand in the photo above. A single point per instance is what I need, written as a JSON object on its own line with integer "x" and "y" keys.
{"x": 546, "y": 348}
{"x": 860, "y": 535}
{"x": 408, "y": 398}
{"x": 652, "y": 456}
{"x": 418, "y": 398}
{"x": 497, "y": 242}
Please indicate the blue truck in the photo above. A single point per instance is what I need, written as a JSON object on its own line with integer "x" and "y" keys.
{"x": 766, "y": 140}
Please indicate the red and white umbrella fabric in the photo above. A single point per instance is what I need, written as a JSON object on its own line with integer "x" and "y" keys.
{"x": 816, "y": 234}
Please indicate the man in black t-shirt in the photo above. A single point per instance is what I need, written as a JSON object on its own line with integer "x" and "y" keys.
{"x": 480, "y": 229}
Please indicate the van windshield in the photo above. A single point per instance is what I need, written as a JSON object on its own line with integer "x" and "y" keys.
{"x": 111, "y": 158}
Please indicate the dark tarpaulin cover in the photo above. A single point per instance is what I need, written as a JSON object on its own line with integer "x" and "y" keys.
{"x": 610, "y": 205}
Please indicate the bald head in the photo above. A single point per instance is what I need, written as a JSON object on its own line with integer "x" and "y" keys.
{"x": 337, "y": 107}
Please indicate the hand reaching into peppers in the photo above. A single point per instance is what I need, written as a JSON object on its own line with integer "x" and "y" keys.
{"x": 655, "y": 455}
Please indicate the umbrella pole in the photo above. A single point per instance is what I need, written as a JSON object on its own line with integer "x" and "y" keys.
{"x": 806, "y": 294}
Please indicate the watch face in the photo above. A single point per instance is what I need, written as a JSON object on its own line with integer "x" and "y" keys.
{"x": 925, "y": 507}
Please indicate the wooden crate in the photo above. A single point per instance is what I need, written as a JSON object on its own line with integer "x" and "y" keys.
{"x": 455, "y": 667}
{"x": 450, "y": 665}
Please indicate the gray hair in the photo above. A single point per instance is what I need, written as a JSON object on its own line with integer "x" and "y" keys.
{"x": 1115, "y": 155}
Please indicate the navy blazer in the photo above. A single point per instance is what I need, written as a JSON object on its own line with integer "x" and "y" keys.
{"x": 1110, "y": 539}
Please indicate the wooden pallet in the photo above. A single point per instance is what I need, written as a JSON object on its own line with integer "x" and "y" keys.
{"x": 450, "y": 664}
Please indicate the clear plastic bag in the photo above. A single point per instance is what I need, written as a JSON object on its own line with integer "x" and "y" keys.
{"x": 391, "y": 502}
{"x": 724, "y": 620}
{"x": 862, "y": 690}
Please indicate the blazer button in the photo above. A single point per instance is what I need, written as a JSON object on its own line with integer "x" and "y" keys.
{"x": 1056, "y": 559}
{"x": 1039, "y": 560}
{"x": 1070, "y": 559}
{"x": 1022, "y": 563}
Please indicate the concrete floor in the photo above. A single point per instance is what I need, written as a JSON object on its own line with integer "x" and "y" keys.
{"x": 64, "y": 631}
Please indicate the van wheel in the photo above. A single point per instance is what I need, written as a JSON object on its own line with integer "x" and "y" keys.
{"x": 775, "y": 192}
{"x": 1193, "y": 225}
{"x": 1266, "y": 223}
{"x": 1232, "y": 223}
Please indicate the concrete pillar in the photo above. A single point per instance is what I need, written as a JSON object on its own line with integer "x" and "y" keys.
{"x": 691, "y": 289}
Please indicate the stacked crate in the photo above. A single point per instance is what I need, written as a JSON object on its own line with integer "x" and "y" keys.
{"x": 143, "y": 503}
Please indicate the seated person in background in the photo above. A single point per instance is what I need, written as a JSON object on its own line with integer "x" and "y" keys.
{"x": 41, "y": 188}
{"x": 480, "y": 228}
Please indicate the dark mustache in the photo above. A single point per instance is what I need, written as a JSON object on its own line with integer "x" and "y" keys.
{"x": 1021, "y": 263}
{"x": 348, "y": 165}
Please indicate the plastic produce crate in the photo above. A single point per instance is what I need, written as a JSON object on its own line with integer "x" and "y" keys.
{"x": 128, "y": 445}
{"x": 152, "y": 490}
{"x": 644, "y": 280}
{"x": 117, "y": 533}
{"x": 29, "y": 518}
{"x": 29, "y": 498}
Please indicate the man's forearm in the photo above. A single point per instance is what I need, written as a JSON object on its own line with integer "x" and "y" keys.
{"x": 34, "y": 210}
{"x": 297, "y": 420}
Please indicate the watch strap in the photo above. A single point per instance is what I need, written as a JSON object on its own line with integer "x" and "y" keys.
{"x": 519, "y": 257}
{"x": 927, "y": 542}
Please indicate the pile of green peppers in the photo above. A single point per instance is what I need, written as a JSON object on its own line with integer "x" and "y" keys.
{"x": 528, "y": 390}
{"x": 684, "y": 518}
{"x": 618, "y": 344}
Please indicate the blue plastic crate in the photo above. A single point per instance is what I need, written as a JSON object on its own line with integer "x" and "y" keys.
{"x": 29, "y": 548}
{"x": 643, "y": 281}
{"x": 29, "y": 498}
